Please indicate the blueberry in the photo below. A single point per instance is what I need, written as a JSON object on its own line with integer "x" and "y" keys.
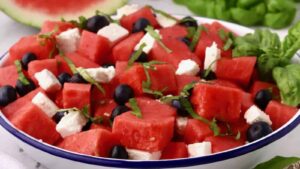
{"x": 27, "y": 58}
{"x": 23, "y": 89}
{"x": 262, "y": 98}
{"x": 188, "y": 22}
{"x": 118, "y": 111}
{"x": 180, "y": 109}
{"x": 8, "y": 94}
{"x": 64, "y": 78}
{"x": 142, "y": 58}
{"x": 96, "y": 22}
{"x": 185, "y": 40}
{"x": 77, "y": 78}
{"x": 106, "y": 65}
{"x": 59, "y": 115}
{"x": 258, "y": 130}
{"x": 140, "y": 25}
{"x": 123, "y": 93}
{"x": 210, "y": 76}
{"x": 118, "y": 152}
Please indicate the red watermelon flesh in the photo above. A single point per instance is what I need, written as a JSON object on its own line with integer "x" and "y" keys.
{"x": 196, "y": 131}
{"x": 10, "y": 110}
{"x": 247, "y": 102}
{"x": 237, "y": 70}
{"x": 109, "y": 88}
{"x": 104, "y": 110}
{"x": 240, "y": 127}
{"x": 76, "y": 95}
{"x": 121, "y": 67}
{"x": 39, "y": 65}
{"x": 175, "y": 150}
{"x": 145, "y": 12}
{"x": 222, "y": 103}
{"x": 100, "y": 126}
{"x": 183, "y": 80}
{"x": 33, "y": 121}
{"x": 40, "y": 47}
{"x": 280, "y": 114}
{"x": 96, "y": 142}
{"x": 175, "y": 32}
{"x": 221, "y": 143}
{"x": 259, "y": 85}
{"x": 226, "y": 83}
{"x": 78, "y": 59}
{"x": 94, "y": 46}
{"x": 124, "y": 49}
{"x": 50, "y": 26}
{"x": 8, "y": 75}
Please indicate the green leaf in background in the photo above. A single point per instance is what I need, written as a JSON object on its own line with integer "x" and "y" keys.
{"x": 288, "y": 81}
{"x": 277, "y": 162}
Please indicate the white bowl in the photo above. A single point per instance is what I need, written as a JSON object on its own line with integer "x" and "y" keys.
{"x": 281, "y": 142}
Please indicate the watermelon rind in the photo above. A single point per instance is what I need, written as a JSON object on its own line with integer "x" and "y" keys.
{"x": 35, "y": 18}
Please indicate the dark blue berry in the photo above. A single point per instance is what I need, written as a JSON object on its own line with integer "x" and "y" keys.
{"x": 77, "y": 78}
{"x": 120, "y": 109}
{"x": 262, "y": 98}
{"x": 188, "y": 22}
{"x": 64, "y": 78}
{"x": 119, "y": 152}
{"x": 8, "y": 94}
{"x": 123, "y": 93}
{"x": 27, "y": 58}
{"x": 140, "y": 25}
{"x": 258, "y": 130}
{"x": 96, "y": 22}
{"x": 23, "y": 89}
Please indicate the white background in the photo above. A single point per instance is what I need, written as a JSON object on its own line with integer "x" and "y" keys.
{"x": 10, "y": 32}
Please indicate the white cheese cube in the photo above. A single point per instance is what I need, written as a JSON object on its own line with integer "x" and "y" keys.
{"x": 68, "y": 41}
{"x": 254, "y": 114}
{"x": 143, "y": 155}
{"x": 165, "y": 21}
{"x": 102, "y": 75}
{"x": 188, "y": 67}
{"x": 296, "y": 58}
{"x": 71, "y": 123}
{"x": 126, "y": 10}
{"x": 148, "y": 40}
{"x": 212, "y": 54}
{"x": 113, "y": 32}
{"x": 199, "y": 149}
{"x": 47, "y": 81}
{"x": 181, "y": 123}
{"x": 45, "y": 104}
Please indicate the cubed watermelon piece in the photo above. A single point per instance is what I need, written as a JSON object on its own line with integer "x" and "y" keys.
{"x": 176, "y": 32}
{"x": 33, "y": 121}
{"x": 109, "y": 88}
{"x": 50, "y": 26}
{"x": 104, "y": 110}
{"x": 40, "y": 47}
{"x": 239, "y": 127}
{"x": 247, "y": 101}
{"x": 175, "y": 150}
{"x": 222, "y": 143}
{"x": 94, "y": 46}
{"x": 96, "y": 142}
{"x": 279, "y": 113}
{"x": 121, "y": 67}
{"x": 183, "y": 80}
{"x": 39, "y": 65}
{"x": 213, "y": 101}
{"x": 145, "y": 12}
{"x": 225, "y": 83}
{"x": 8, "y": 75}
{"x": 259, "y": 85}
{"x": 100, "y": 126}
{"x": 238, "y": 70}
{"x": 196, "y": 131}
{"x": 78, "y": 59}
{"x": 124, "y": 49}
{"x": 76, "y": 95}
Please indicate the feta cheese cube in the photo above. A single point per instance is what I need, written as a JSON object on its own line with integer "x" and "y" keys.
{"x": 126, "y": 10}
{"x": 143, "y": 155}
{"x": 102, "y": 75}
{"x": 181, "y": 123}
{"x": 188, "y": 67}
{"x": 148, "y": 40}
{"x": 113, "y": 32}
{"x": 45, "y": 104}
{"x": 68, "y": 41}
{"x": 71, "y": 123}
{"x": 165, "y": 21}
{"x": 212, "y": 54}
{"x": 47, "y": 81}
{"x": 199, "y": 149}
{"x": 254, "y": 114}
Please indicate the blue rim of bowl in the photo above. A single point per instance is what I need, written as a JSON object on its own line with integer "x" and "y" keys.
{"x": 186, "y": 162}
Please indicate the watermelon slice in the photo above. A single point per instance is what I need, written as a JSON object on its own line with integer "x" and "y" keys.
{"x": 35, "y": 12}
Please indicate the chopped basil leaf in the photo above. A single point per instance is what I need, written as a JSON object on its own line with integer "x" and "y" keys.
{"x": 196, "y": 38}
{"x": 136, "y": 55}
{"x": 80, "y": 23}
{"x": 49, "y": 35}
{"x": 135, "y": 108}
{"x": 21, "y": 76}
{"x": 223, "y": 35}
{"x": 157, "y": 37}
{"x": 228, "y": 44}
{"x": 69, "y": 62}
{"x": 207, "y": 71}
{"x": 85, "y": 113}
{"x": 89, "y": 79}
{"x": 186, "y": 88}
{"x": 163, "y": 13}
{"x": 168, "y": 99}
{"x": 191, "y": 32}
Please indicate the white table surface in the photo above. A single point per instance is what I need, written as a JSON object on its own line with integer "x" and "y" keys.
{"x": 11, "y": 157}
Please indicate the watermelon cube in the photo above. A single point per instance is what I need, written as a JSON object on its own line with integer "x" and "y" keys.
{"x": 196, "y": 131}
{"x": 213, "y": 101}
{"x": 76, "y": 95}
{"x": 39, "y": 65}
{"x": 279, "y": 113}
{"x": 94, "y": 46}
{"x": 222, "y": 143}
{"x": 183, "y": 80}
{"x": 8, "y": 75}
{"x": 238, "y": 70}
{"x": 96, "y": 142}
{"x": 175, "y": 150}
{"x": 104, "y": 110}
{"x": 109, "y": 88}
{"x": 50, "y": 26}
{"x": 247, "y": 101}
{"x": 145, "y": 12}
{"x": 124, "y": 49}
{"x": 33, "y": 121}
{"x": 175, "y": 32}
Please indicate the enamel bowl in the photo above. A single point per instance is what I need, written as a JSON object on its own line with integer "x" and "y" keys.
{"x": 281, "y": 142}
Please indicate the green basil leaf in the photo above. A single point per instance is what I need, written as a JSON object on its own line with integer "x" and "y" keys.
{"x": 135, "y": 108}
{"x": 278, "y": 162}
{"x": 21, "y": 77}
